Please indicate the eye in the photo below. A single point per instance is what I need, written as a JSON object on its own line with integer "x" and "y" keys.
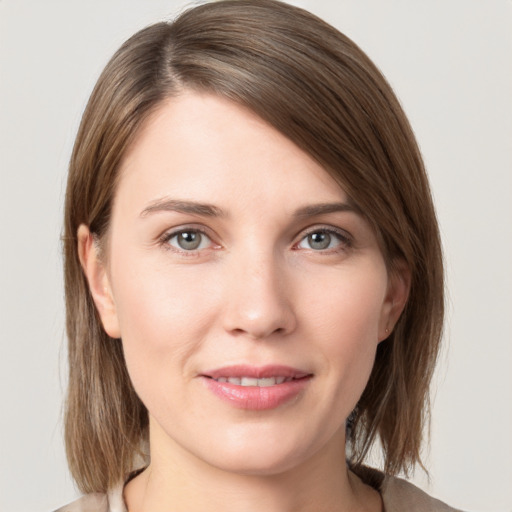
{"x": 188, "y": 240}
{"x": 323, "y": 240}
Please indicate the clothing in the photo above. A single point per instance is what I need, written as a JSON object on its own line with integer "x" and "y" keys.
{"x": 401, "y": 496}
{"x": 398, "y": 496}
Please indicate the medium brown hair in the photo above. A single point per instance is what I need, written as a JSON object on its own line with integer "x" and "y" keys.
{"x": 321, "y": 91}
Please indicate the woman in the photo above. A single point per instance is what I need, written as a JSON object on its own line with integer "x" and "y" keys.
{"x": 253, "y": 273}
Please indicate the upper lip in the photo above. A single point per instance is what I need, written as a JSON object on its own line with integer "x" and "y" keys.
{"x": 256, "y": 372}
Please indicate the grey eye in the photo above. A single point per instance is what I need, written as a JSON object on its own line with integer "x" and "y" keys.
{"x": 189, "y": 240}
{"x": 323, "y": 240}
{"x": 319, "y": 241}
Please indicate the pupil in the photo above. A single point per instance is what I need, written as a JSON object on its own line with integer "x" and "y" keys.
{"x": 189, "y": 240}
{"x": 319, "y": 240}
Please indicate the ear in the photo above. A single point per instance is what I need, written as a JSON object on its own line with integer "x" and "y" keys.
{"x": 399, "y": 285}
{"x": 99, "y": 283}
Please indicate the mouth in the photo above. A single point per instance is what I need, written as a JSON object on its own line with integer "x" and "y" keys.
{"x": 263, "y": 376}
{"x": 251, "y": 381}
{"x": 256, "y": 388}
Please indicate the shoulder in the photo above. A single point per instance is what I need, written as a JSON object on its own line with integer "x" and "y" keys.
{"x": 88, "y": 503}
{"x": 401, "y": 496}
{"x": 97, "y": 502}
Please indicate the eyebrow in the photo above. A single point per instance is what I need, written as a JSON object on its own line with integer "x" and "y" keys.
{"x": 210, "y": 210}
{"x": 182, "y": 206}
{"x": 325, "y": 208}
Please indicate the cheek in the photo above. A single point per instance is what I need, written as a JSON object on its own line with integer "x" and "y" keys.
{"x": 164, "y": 317}
{"x": 348, "y": 304}
{"x": 344, "y": 319}
{"x": 152, "y": 298}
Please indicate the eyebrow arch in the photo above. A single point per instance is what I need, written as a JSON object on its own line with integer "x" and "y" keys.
{"x": 325, "y": 208}
{"x": 182, "y": 206}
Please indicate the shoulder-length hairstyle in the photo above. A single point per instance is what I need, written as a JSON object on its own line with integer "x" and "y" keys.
{"x": 315, "y": 86}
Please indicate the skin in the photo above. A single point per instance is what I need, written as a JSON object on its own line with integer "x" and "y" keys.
{"x": 255, "y": 291}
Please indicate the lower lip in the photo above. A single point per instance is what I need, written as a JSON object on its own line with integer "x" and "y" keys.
{"x": 254, "y": 397}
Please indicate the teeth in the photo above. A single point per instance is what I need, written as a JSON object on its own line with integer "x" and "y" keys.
{"x": 269, "y": 381}
{"x": 248, "y": 381}
{"x": 251, "y": 381}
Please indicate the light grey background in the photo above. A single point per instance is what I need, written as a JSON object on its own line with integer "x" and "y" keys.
{"x": 450, "y": 62}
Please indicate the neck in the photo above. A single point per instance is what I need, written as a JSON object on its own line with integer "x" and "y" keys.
{"x": 177, "y": 480}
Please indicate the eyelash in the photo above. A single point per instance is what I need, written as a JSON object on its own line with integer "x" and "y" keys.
{"x": 344, "y": 239}
{"x": 165, "y": 239}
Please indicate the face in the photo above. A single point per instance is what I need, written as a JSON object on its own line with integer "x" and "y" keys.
{"x": 249, "y": 293}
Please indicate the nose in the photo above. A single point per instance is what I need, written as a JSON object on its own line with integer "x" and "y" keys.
{"x": 259, "y": 302}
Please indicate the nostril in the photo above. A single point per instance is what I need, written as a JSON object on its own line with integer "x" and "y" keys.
{"x": 257, "y": 312}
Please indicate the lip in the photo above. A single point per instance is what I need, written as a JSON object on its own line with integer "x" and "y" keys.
{"x": 255, "y": 397}
{"x": 255, "y": 372}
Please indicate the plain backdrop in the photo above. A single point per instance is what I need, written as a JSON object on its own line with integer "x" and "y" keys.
{"x": 450, "y": 62}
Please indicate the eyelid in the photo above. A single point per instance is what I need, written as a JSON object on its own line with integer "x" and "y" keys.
{"x": 345, "y": 237}
{"x": 171, "y": 233}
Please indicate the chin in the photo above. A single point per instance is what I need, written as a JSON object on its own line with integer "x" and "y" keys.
{"x": 259, "y": 463}
{"x": 262, "y": 452}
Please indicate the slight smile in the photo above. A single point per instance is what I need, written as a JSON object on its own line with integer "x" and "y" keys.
{"x": 256, "y": 388}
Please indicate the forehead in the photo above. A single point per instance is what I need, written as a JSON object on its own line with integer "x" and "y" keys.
{"x": 206, "y": 148}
